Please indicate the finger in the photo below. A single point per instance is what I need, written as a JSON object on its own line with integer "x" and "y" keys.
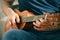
{"x": 35, "y": 24}
{"x": 8, "y": 22}
{"x": 17, "y": 19}
{"x": 36, "y": 28}
{"x": 14, "y": 26}
{"x": 8, "y": 25}
{"x": 42, "y": 20}
{"x": 11, "y": 26}
{"x": 38, "y": 22}
{"x": 13, "y": 20}
{"x": 45, "y": 13}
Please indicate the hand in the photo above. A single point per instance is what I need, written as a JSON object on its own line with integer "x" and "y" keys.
{"x": 9, "y": 26}
{"x": 46, "y": 25}
{"x": 12, "y": 19}
{"x": 41, "y": 24}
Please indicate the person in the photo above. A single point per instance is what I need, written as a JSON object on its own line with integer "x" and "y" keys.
{"x": 37, "y": 7}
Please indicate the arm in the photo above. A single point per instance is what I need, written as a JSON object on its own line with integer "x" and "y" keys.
{"x": 8, "y": 11}
{"x": 6, "y": 6}
{"x": 12, "y": 16}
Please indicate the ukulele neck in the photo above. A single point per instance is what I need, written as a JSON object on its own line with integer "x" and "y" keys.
{"x": 32, "y": 18}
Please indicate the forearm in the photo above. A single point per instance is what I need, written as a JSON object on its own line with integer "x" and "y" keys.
{"x": 6, "y": 7}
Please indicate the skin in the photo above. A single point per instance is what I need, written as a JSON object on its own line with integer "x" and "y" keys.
{"x": 12, "y": 16}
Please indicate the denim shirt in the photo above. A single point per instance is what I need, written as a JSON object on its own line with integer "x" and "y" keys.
{"x": 40, "y": 6}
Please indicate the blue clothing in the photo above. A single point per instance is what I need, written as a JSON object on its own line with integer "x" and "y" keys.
{"x": 24, "y": 35}
{"x": 40, "y": 6}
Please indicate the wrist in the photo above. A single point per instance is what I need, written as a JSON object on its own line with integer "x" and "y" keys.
{"x": 10, "y": 12}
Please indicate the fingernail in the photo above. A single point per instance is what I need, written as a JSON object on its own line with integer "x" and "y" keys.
{"x": 33, "y": 22}
{"x": 9, "y": 22}
{"x": 18, "y": 21}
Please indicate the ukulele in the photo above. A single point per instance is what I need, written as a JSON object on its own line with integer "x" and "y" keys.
{"x": 28, "y": 17}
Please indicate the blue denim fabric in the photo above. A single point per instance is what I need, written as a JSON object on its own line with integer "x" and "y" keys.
{"x": 40, "y": 6}
{"x": 31, "y": 35}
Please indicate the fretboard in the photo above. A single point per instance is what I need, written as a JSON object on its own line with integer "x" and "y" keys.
{"x": 32, "y": 18}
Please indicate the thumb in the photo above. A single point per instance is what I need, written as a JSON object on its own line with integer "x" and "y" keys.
{"x": 46, "y": 13}
{"x": 17, "y": 19}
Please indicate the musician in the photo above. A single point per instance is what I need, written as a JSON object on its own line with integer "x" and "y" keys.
{"x": 38, "y": 32}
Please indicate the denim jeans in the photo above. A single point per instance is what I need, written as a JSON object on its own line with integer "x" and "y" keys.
{"x": 31, "y": 35}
